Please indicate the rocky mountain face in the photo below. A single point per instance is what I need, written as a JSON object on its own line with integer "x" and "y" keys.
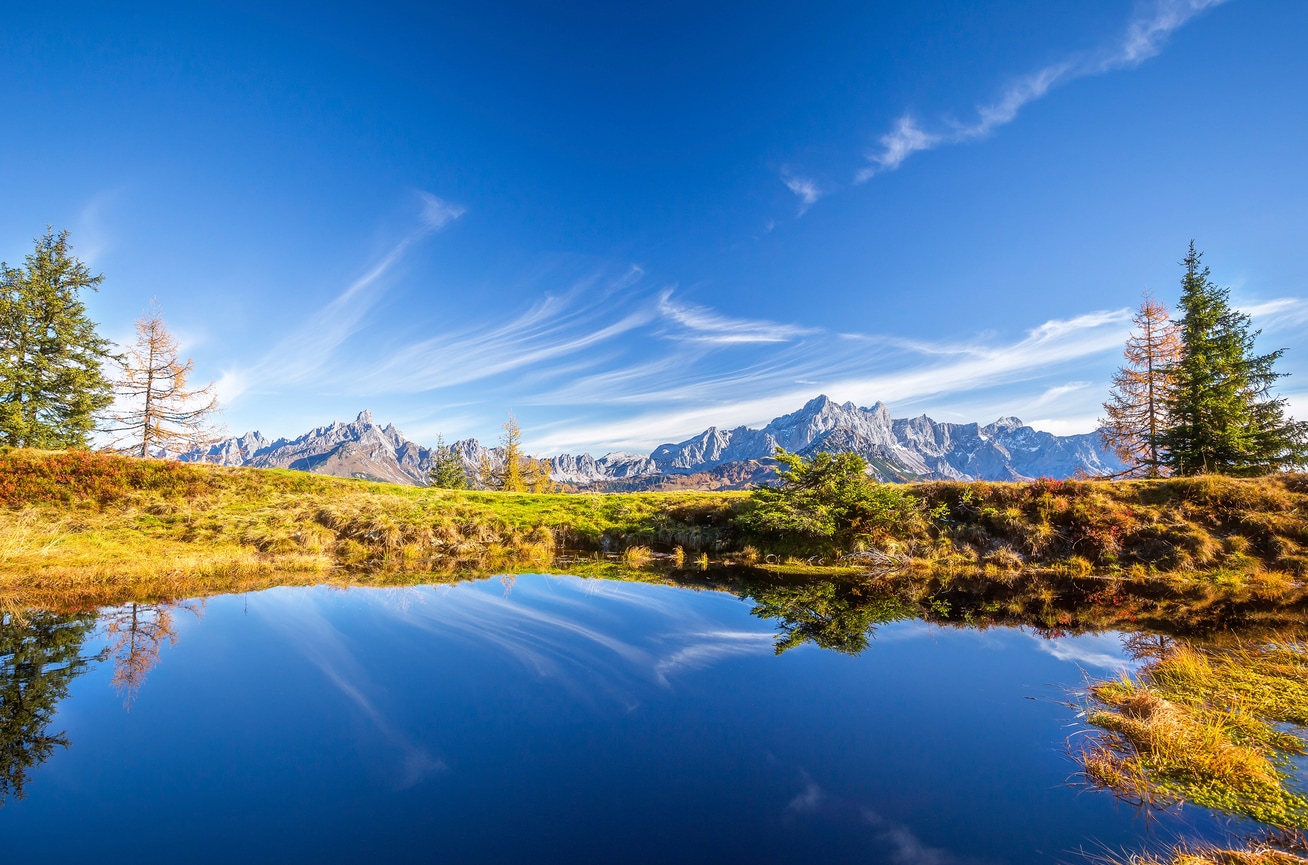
{"x": 901, "y": 449}
{"x": 897, "y": 449}
{"x": 359, "y": 449}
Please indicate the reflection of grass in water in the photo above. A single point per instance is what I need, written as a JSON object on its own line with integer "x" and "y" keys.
{"x": 638, "y": 556}
{"x": 1207, "y": 726}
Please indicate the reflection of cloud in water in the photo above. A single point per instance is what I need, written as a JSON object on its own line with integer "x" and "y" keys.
{"x": 898, "y": 843}
{"x": 711, "y": 646}
{"x": 580, "y": 632}
{"x": 807, "y": 802}
{"x": 913, "y": 629}
{"x": 905, "y": 847}
{"x": 1103, "y": 651}
{"x": 303, "y": 624}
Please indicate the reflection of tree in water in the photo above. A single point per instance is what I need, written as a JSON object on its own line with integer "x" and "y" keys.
{"x": 836, "y": 616}
{"x": 136, "y": 633}
{"x": 40, "y": 655}
{"x": 1142, "y": 646}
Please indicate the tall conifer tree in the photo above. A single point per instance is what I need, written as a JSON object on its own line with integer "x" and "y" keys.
{"x": 1222, "y": 416}
{"x": 447, "y": 469}
{"x": 52, "y": 381}
{"x": 1135, "y": 414}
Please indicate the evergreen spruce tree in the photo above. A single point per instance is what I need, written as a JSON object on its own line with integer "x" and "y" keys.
{"x": 447, "y": 470}
{"x": 40, "y": 656}
{"x": 1221, "y": 414}
{"x": 52, "y": 381}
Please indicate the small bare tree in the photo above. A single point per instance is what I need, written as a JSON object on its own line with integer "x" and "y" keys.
{"x": 154, "y": 409}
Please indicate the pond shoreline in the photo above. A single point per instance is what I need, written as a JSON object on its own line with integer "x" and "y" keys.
{"x": 83, "y": 528}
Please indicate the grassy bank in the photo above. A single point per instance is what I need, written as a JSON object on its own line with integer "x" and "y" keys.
{"x": 1220, "y": 726}
{"x": 74, "y": 521}
{"x": 1215, "y": 726}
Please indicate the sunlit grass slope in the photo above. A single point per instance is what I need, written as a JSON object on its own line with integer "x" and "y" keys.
{"x": 79, "y": 519}
{"x": 76, "y": 518}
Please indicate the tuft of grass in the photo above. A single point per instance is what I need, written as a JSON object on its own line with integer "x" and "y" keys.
{"x": 1259, "y": 855}
{"x": 1208, "y": 726}
{"x": 637, "y": 556}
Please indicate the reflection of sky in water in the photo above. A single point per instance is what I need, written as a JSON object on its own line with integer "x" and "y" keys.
{"x": 558, "y": 719}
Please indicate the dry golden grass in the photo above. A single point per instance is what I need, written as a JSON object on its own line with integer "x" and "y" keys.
{"x": 72, "y": 517}
{"x": 1207, "y": 726}
{"x": 1217, "y": 856}
{"x": 70, "y": 520}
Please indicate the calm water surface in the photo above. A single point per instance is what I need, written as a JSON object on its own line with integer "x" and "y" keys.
{"x": 554, "y": 719}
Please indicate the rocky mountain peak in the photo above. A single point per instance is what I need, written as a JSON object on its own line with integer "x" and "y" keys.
{"x": 903, "y": 449}
{"x": 1006, "y": 424}
{"x": 816, "y": 405}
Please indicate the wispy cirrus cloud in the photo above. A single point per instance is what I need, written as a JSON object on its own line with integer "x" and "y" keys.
{"x": 302, "y": 353}
{"x": 1278, "y": 313}
{"x": 94, "y": 237}
{"x": 677, "y": 406}
{"x": 806, "y": 189}
{"x": 567, "y": 337}
{"x": 1145, "y": 36}
{"x": 700, "y": 324}
{"x": 554, "y": 328}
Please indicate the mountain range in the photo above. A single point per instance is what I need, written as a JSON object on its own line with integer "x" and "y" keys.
{"x": 897, "y": 449}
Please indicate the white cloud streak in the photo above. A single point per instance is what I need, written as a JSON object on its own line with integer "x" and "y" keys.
{"x": 306, "y": 349}
{"x": 1144, "y": 38}
{"x": 713, "y": 398}
{"x": 805, "y": 189}
{"x": 1276, "y": 314}
{"x": 553, "y": 328}
{"x": 705, "y": 325}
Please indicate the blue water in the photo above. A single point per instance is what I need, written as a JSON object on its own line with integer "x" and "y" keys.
{"x": 554, "y": 719}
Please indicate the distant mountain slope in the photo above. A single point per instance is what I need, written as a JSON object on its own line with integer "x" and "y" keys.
{"x": 359, "y": 449}
{"x": 897, "y": 450}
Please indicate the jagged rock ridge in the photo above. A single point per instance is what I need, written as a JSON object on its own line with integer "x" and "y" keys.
{"x": 898, "y": 449}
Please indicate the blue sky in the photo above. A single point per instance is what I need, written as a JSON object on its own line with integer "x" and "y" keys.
{"x": 627, "y": 224}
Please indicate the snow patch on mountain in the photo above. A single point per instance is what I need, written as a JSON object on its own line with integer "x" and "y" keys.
{"x": 900, "y": 449}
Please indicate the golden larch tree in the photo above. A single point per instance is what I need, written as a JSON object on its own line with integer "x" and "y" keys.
{"x": 1135, "y": 414}
{"x": 154, "y": 409}
{"x": 520, "y": 473}
{"x": 136, "y": 633}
